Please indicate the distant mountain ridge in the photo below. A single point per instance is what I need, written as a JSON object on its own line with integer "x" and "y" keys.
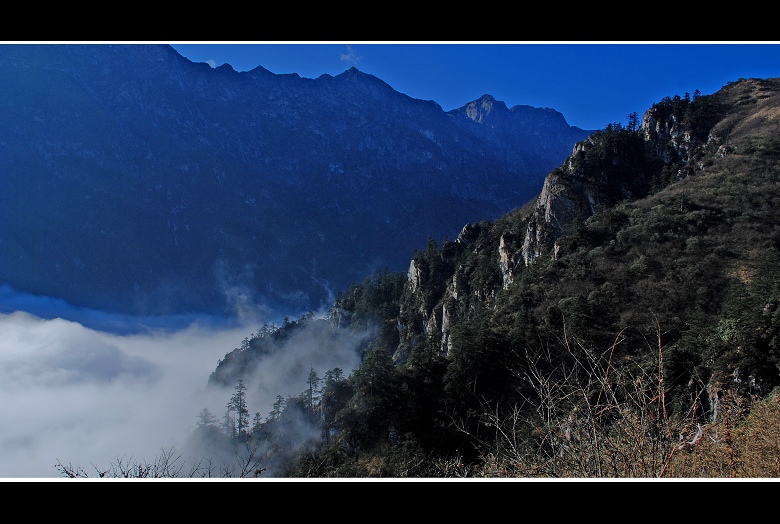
{"x": 137, "y": 181}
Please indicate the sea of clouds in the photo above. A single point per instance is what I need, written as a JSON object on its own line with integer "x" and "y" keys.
{"x": 86, "y": 389}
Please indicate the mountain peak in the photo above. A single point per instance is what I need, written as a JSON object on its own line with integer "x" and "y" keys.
{"x": 479, "y": 109}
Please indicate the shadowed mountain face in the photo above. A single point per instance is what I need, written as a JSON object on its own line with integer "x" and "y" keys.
{"x": 133, "y": 180}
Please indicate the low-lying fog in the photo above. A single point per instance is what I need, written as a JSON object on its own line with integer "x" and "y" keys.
{"x": 96, "y": 388}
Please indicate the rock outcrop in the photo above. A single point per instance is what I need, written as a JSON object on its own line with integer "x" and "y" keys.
{"x": 677, "y": 137}
{"x": 610, "y": 166}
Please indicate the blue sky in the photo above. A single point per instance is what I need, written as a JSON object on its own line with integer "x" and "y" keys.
{"x": 591, "y": 83}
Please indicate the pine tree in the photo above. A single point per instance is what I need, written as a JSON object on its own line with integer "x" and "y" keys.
{"x": 278, "y": 408}
{"x": 238, "y": 405}
{"x": 313, "y": 393}
{"x": 206, "y": 418}
{"x": 257, "y": 422}
{"x": 633, "y": 121}
{"x": 229, "y": 421}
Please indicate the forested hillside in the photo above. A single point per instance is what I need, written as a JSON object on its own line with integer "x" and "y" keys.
{"x": 632, "y": 332}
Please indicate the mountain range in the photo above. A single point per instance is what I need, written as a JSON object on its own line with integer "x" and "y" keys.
{"x": 138, "y": 182}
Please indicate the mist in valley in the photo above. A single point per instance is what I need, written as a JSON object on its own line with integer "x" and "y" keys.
{"x": 88, "y": 389}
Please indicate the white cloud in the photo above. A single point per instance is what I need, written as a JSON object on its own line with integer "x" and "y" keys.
{"x": 87, "y": 398}
{"x": 83, "y": 397}
{"x": 351, "y": 55}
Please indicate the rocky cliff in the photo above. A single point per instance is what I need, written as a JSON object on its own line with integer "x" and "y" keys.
{"x": 682, "y": 142}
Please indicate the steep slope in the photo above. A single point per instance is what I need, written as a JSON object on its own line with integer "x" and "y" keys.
{"x": 137, "y": 181}
{"x": 673, "y": 226}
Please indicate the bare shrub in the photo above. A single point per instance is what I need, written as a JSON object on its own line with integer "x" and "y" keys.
{"x": 169, "y": 464}
{"x": 595, "y": 420}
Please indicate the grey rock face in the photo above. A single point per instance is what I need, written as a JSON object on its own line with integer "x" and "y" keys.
{"x": 578, "y": 189}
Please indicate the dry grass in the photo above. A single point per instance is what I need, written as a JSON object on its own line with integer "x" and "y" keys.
{"x": 743, "y": 444}
{"x": 615, "y": 425}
